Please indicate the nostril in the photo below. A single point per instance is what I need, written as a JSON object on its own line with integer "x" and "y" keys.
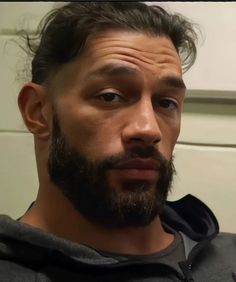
{"x": 144, "y": 140}
{"x": 156, "y": 141}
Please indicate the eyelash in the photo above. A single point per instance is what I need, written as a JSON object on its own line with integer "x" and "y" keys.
{"x": 99, "y": 96}
{"x": 170, "y": 101}
{"x": 171, "y": 104}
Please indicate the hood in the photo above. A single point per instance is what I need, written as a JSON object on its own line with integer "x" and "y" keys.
{"x": 192, "y": 217}
{"x": 19, "y": 241}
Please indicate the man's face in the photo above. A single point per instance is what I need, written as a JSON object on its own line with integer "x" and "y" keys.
{"x": 116, "y": 120}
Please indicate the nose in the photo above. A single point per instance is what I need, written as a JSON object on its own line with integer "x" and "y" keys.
{"x": 142, "y": 126}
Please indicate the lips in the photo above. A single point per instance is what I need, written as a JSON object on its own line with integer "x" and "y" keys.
{"x": 139, "y": 170}
{"x": 140, "y": 165}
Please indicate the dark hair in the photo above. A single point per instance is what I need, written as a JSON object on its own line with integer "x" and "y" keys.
{"x": 62, "y": 34}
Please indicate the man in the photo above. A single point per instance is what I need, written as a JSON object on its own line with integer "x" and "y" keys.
{"x": 104, "y": 106}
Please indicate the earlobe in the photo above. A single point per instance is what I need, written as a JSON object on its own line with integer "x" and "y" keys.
{"x": 34, "y": 104}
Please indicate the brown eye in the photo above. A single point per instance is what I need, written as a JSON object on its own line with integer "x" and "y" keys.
{"x": 110, "y": 97}
{"x": 168, "y": 104}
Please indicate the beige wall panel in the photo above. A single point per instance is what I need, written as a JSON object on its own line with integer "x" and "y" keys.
{"x": 18, "y": 175}
{"x": 206, "y": 128}
{"x": 210, "y": 174}
{"x": 16, "y": 15}
{"x": 12, "y": 61}
{"x": 215, "y": 66}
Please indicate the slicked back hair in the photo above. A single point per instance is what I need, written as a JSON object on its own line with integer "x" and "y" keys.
{"x": 62, "y": 34}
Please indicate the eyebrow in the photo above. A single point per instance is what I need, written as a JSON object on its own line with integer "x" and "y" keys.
{"x": 121, "y": 70}
{"x": 173, "y": 81}
{"x": 113, "y": 70}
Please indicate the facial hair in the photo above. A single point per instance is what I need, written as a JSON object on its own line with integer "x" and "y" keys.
{"x": 86, "y": 184}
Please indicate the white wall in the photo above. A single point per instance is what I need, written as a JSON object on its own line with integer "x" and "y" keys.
{"x": 206, "y": 154}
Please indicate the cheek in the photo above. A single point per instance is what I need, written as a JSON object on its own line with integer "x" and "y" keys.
{"x": 170, "y": 133}
{"x": 175, "y": 130}
{"x": 91, "y": 132}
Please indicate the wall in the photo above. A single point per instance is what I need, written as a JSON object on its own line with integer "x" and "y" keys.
{"x": 18, "y": 175}
{"x": 205, "y": 156}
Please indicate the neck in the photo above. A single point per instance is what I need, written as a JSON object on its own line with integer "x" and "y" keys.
{"x": 47, "y": 214}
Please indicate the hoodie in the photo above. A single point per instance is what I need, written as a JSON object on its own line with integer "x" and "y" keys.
{"x": 29, "y": 254}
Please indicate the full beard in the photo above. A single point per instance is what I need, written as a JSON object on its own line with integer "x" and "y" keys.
{"x": 87, "y": 185}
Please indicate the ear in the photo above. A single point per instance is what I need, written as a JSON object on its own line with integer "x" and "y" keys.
{"x": 35, "y": 109}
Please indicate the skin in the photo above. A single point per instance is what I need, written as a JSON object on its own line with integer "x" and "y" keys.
{"x": 145, "y": 110}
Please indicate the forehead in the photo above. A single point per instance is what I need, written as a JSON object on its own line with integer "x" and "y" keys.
{"x": 142, "y": 55}
{"x": 154, "y": 53}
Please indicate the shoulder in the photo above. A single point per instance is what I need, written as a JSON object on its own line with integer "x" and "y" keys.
{"x": 13, "y": 272}
{"x": 223, "y": 248}
{"x": 216, "y": 259}
{"x": 224, "y": 239}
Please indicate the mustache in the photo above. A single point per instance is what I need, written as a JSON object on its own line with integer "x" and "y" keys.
{"x": 134, "y": 153}
{"x": 109, "y": 162}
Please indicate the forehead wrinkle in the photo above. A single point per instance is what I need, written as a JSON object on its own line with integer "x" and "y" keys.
{"x": 163, "y": 55}
{"x": 159, "y": 57}
{"x": 150, "y": 57}
{"x": 162, "y": 63}
{"x": 130, "y": 50}
{"x": 107, "y": 39}
{"x": 119, "y": 42}
{"x": 156, "y": 54}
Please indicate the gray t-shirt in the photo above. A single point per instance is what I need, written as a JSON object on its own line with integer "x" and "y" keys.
{"x": 170, "y": 256}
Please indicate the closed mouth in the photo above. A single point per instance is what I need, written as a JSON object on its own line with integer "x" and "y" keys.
{"x": 139, "y": 164}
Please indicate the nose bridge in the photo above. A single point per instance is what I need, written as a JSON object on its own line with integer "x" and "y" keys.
{"x": 142, "y": 123}
{"x": 145, "y": 117}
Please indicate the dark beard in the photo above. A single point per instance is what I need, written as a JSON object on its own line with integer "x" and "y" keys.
{"x": 85, "y": 183}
